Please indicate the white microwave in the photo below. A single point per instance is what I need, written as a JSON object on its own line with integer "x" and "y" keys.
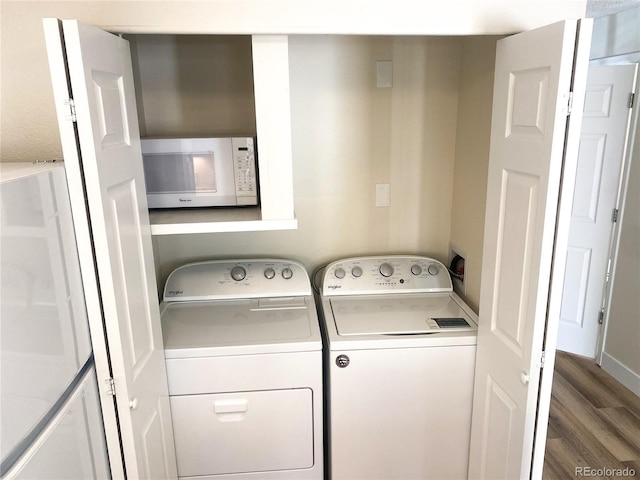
{"x": 200, "y": 172}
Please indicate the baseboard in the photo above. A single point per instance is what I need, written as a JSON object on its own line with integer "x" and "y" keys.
{"x": 621, "y": 372}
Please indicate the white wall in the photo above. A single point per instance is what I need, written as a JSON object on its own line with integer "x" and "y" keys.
{"x": 616, "y": 34}
{"x": 472, "y": 158}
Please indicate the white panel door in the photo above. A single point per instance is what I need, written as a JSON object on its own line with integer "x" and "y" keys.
{"x": 533, "y": 77}
{"x": 605, "y": 125}
{"x": 110, "y": 166}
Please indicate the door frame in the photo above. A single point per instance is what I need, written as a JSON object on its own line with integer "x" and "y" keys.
{"x": 607, "y": 225}
{"x": 622, "y": 192}
{"x": 551, "y": 333}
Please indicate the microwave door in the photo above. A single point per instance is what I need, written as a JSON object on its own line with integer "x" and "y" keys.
{"x": 175, "y": 180}
{"x": 204, "y": 173}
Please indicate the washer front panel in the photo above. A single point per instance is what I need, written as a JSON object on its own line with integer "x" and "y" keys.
{"x": 402, "y": 413}
{"x": 383, "y": 275}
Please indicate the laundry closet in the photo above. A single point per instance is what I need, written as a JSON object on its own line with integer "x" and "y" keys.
{"x": 388, "y": 151}
{"x": 422, "y": 133}
{"x": 355, "y": 128}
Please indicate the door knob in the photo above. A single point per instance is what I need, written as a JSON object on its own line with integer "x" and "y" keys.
{"x": 524, "y": 378}
{"x": 133, "y": 404}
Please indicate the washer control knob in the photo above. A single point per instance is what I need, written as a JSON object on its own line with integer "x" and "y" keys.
{"x": 386, "y": 270}
{"x": 433, "y": 269}
{"x": 339, "y": 273}
{"x": 356, "y": 272}
{"x": 238, "y": 273}
{"x": 269, "y": 273}
{"x": 416, "y": 269}
{"x": 287, "y": 273}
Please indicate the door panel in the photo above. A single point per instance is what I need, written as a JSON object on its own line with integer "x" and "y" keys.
{"x": 605, "y": 125}
{"x": 501, "y": 412}
{"x": 588, "y": 177}
{"x": 528, "y": 90}
{"x": 517, "y": 218}
{"x": 111, "y": 116}
{"x": 109, "y": 171}
{"x": 533, "y": 78}
{"x": 129, "y": 276}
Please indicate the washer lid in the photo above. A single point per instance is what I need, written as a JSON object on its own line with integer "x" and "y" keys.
{"x": 399, "y": 315}
{"x": 265, "y": 325}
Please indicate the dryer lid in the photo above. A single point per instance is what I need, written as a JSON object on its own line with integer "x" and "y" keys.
{"x": 262, "y": 325}
{"x": 399, "y": 315}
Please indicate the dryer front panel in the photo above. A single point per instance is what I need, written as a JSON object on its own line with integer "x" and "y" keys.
{"x": 233, "y": 433}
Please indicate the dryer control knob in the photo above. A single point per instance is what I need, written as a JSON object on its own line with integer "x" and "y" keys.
{"x": 269, "y": 273}
{"x": 287, "y": 273}
{"x": 356, "y": 272}
{"x": 416, "y": 269}
{"x": 433, "y": 269}
{"x": 386, "y": 270}
{"x": 238, "y": 273}
{"x": 339, "y": 273}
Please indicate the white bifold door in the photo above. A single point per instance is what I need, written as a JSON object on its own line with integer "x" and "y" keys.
{"x": 534, "y": 135}
{"x": 95, "y": 101}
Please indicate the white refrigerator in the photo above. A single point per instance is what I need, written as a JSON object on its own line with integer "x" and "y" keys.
{"x": 50, "y": 419}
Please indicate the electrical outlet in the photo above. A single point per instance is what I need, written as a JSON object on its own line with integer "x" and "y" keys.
{"x": 384, "y": 74}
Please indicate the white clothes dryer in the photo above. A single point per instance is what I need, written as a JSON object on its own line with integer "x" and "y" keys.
{"x": 400, "y": 359}
{"x": 244, "y": 364}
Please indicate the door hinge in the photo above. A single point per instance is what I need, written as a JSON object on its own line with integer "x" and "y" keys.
{"x": 632, "y": 97}
{"x": 111, "y": 386}
{"x": 72, "y": 110}
{"x": 569, "y": 106}
{"x": 601, "y": 316}
{"x": 614, "y": 216}
{"x": 540, "y": 362}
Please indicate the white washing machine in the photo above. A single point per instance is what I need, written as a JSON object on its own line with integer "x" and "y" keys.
{"x": 400, "y": 359}
{"x": 244, "y": 364}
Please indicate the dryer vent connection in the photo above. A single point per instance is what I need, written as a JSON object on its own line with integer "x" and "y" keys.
{"x": 457, "y": 265}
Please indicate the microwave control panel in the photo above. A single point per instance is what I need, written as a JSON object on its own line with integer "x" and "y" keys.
{"x": 244, "y": 166}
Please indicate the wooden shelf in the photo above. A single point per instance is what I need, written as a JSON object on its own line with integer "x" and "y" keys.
{"x": 214, "y": 220}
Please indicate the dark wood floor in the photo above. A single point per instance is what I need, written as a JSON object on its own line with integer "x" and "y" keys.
{"x": 594, "y": 423}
